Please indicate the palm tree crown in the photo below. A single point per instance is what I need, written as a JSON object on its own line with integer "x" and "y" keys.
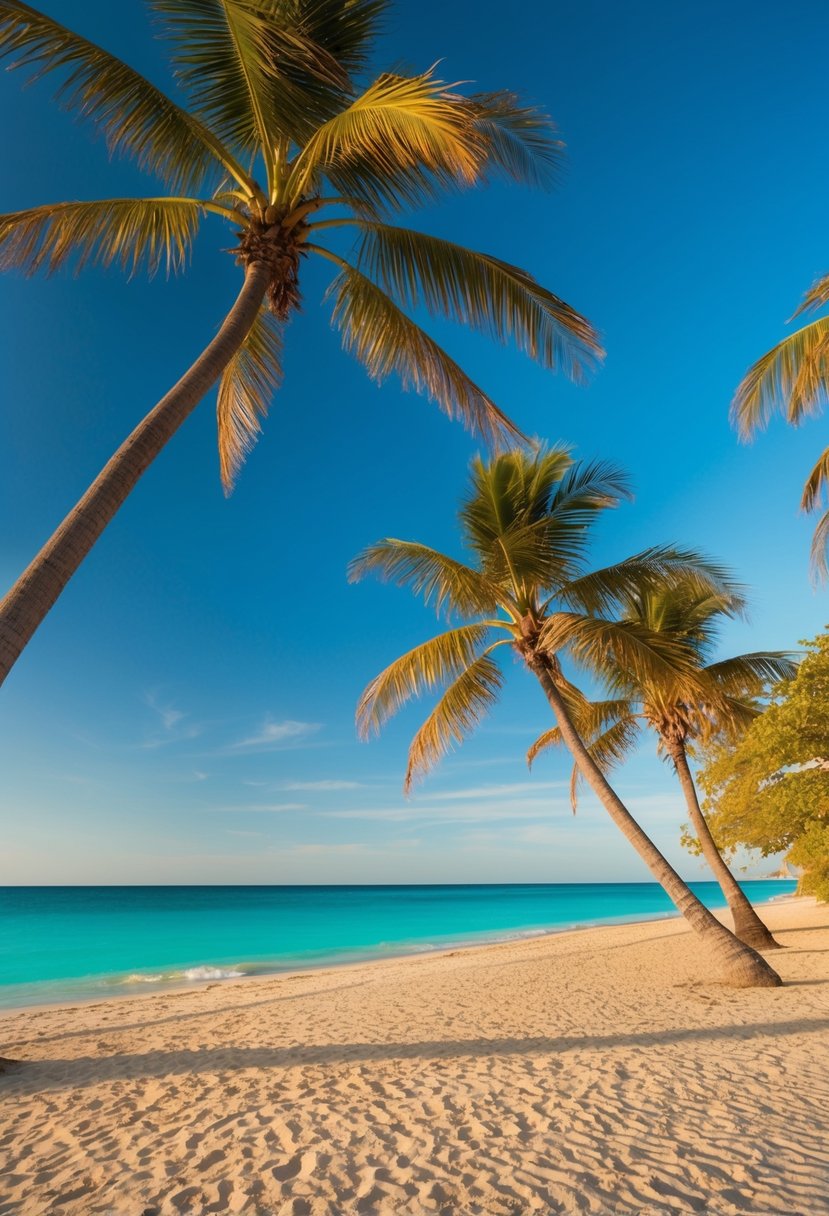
{"x": 727, "y": 695}
{"x": 793, "y": 377}
{"x": 527, "y": 521}
{"x": 270, "y": 129}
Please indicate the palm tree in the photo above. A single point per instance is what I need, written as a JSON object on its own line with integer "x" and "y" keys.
{"x": 270, "y": 130}
{"x": 723, "y": 706}
{"x": 793, "y": 377}
{"x": 527, "y": 520}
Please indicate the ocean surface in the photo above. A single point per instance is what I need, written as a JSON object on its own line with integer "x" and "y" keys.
{"x": 71, "y": 943}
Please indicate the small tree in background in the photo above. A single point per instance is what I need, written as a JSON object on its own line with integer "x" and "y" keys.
{"x": 770, "y": 791}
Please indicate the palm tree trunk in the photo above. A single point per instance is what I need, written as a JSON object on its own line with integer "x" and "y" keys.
{"x": 741, "y": 966}
{"x": 747, "y": 924}
{"x": 34, "y": 593}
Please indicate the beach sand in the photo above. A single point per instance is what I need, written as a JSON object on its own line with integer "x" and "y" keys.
{"x": 597, "y": 1071}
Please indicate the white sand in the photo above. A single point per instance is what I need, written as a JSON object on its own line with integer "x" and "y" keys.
{"x": 588, "y": 1072}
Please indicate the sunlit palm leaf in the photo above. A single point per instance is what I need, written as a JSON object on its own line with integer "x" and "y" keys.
{"x": 609, "y": 729}
{"x": 250, "y": 70}
{"x": 792, "y": 377}
{"x": 751, "y": 674}
{"x": 816, "y": 297}
{"x": 132, "y": 232}
{"x": 510, "y": 492}
{"x": 657, "y": 569}
{"x": 397, "y": 123}
{"x": 816, "y": 483}
{"x": 481, "y": 291}
{"x": 134, "y": 116}
{"x": 385, "y": 340}
{"x": 520, "y": 140}
{"x": 626, "y": 646}
{"x": 245, "y": 391}
{"x": 427, "y": 666}
{"x": 820, "y": 548}
{"x": 466, "y": 701}
{"x": 439, "y": 579}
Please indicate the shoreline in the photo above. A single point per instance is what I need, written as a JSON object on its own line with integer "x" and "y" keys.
{"x": 514, "y": 937}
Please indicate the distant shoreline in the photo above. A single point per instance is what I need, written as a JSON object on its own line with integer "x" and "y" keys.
{"x": 510, "y": 937}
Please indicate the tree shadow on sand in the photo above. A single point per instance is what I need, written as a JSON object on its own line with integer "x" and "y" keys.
{"x": 59, "y": 1074}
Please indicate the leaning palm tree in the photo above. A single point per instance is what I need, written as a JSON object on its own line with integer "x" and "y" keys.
{"x": 272, "y": 130}
{"x": 527, "y": 522}
{"x": 793, "y": 377}
{"x": 725, "y": 703}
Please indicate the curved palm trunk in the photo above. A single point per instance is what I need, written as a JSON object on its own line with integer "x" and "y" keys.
{"x": 747, "y": 924}
{"x": 741, "y": 966}
{"x": 34, "y": 593}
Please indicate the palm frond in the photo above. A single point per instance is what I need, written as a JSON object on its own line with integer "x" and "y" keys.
{"x": 457, "y": 713}
{"x": 480, "y": 291}
{"x": 609, "y": 730}
{"x": 655, "y": 572}
{"x": 749, "y": 675}
{"x": 520, "y": 140}
{"x": 250, "y": 70}
{"x": 135, "y": 117}
{"x": 816, "y": 483}
{"x": 245, "y": 391}
{"x": 816, "y": 297}
{"x": 398, "y": 123}
{"x": 385, "y": 340}
{"x": 346, "y": 32}
{"x": 433, "y": 663}
{"x": 820, "y": 549}
{"x": 509, "y": 492}
{"x": 439, "y": 579}
{"x": 132, "y": 232}
{"x": 792, "y": 378}
{"x": 651, "y": 658}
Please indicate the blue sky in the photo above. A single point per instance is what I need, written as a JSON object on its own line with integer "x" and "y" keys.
{"x": 186, "y": 712}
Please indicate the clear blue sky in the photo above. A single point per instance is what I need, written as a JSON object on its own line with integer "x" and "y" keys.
{"x": 186, "y": 712}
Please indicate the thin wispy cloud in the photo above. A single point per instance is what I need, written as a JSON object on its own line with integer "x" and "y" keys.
{"x": 258, "y": 808}
{"x": 172, "y": 725}
{"x": 323, "y": 786}
{"x": 276, "y": 735}
{"x": 523, "y": 788}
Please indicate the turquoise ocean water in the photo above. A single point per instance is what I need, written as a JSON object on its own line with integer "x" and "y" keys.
{"x": 70, "y": 943}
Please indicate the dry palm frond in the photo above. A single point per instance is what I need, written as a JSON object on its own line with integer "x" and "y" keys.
{"x": 132, "y": 232}
{"x": 792, "y": 377}
{"x": 433, "y": 663}
{"x": 467, "y": 699}
{"x": 482, "y": 291}
{"x": 245, "y": 391}
{"x": 386, "y": 340}
{"x": 450, "y": 584}
{"x": 134, "y": 116}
